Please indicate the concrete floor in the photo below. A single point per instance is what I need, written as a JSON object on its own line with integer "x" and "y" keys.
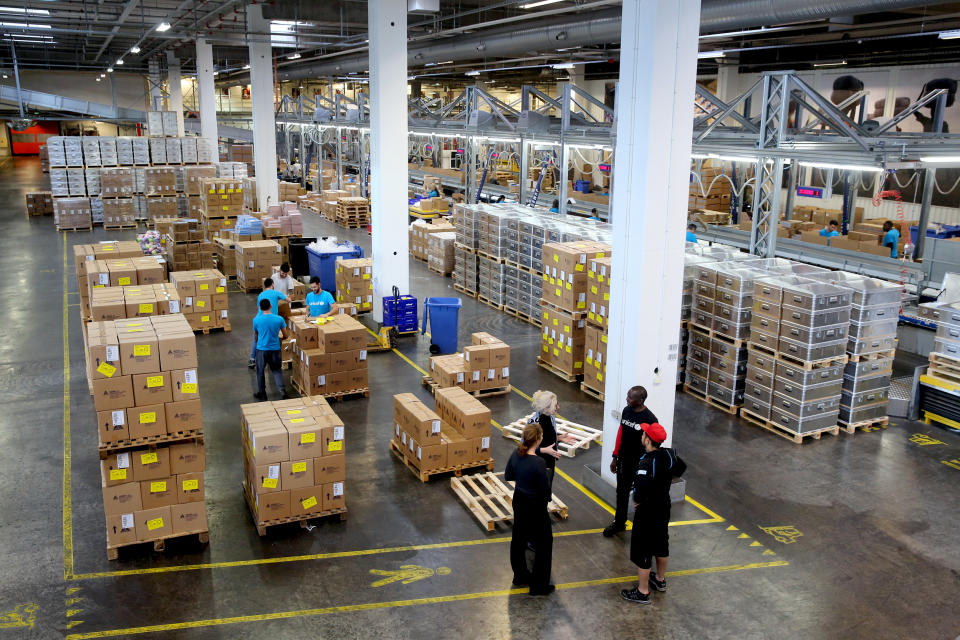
{"x": 878, "y": 556}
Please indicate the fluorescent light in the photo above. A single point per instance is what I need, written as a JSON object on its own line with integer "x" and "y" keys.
{"x": 98, "y": 79}
{"x": 246, "y": 66}
{"x": 30, "y": 12}
{"x": 24, "y": 25}
{"x": 103, "y": 75}
{"x": 944, "y": 159}
{"x": 472, "y": 73}
{"x": 716, "y": 156}
{"x": 540, "y": 3}
{"x": 109, "y": 69}
{"x": 563, "y": 65}
{"x": 163, "y": 26}
{"x": 843, "y": 167}
{"x": 295, "y": 56}
{"x": 134, "y": 49}
{"x": 119, "y": 62}
{"x": 949, "y": 35}
{"x": 710, "y": 54}
{"x": 5, "y": 76}
{"x": 830, "y": 64}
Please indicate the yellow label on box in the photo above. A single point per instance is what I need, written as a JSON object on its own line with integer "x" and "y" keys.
{"x": 148, "y": 458}
{"x": 307, "y": 438}
{"x": 133, "y": 324}
{"x": 593, "y": 290}
{"x": 141, "y": 349}
{"x": 337, "y": 445}
{"x": 569, "y": 287}
{"x": 118, "y": 474}
{"x": 158, "y": 487}
{"x": 269, "y": 483}
{"x": 546, "y": 348}
{"x": 294, "y": 412}
{"x": 591, "y": 315}
{"x": 556, "y": 353}
{"x": 309, "y": 502}
{"x": 230, "y": 190}
{"x": 156, "y": 523}
{"x": 599, "y": 377}
{"x": 578, "y": 267}
{"x": 220, "y": 289}
{"x": 591, "y": 274}
{"x": 299, "y": 467}
{"x": 201, "y": 303}
{"x": 204, "y": 318}
{"x": 581, "y": 305}
{"x": 204, "y": 287}
{"x": 146, "y": 307}
{"x": 556, "y": 258}
{"x": 188, "y": 387}
{"x": 366, "y": 276}
{"x": 578, "y": 365}
{"x": 148, "y": 417}
{"x": 601, "y": 254}
{"x": 297, "y": 420}
{"x": 589, "y": 360}
{"x": 213, "y": 190}
{"x": 603, "y": 338}
{"x": 545, "y": 277}
{"x": 125, "y": 280}
{"x": 226, "y": 208}
{"x": 226, "y": 223}
{"x": 191, "y": 485}
{"x": 106, "y": 248}
{"x": 600, "y": 278}
{"x": 556, "y": 321}
{"x": 225, "y": 198}
{"x": 606, "y": 297}
{"x": 106, "y": 369}
{"x": 558, "y": 292}
{"x": 154, "y": 381}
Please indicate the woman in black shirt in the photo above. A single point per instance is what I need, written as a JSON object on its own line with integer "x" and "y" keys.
{"x": 531, "y": 520}
{"x": 546, "y": 405}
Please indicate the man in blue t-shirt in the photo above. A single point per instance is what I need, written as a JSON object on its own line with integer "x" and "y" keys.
{"x": 267, "y": 327}
{"x": 691, "y": 233}
{"x": 274, "y": 296}
{"x": 830, "y": 231}
{"x": 891, "y": 238}
{"x": 319, "y": 302}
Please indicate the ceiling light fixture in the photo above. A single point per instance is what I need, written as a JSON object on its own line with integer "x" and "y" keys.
{"x": 98, "y": 78}
{"x": 931, "y": 159}
{"x": 829, "y": 64}
{"x": 295, "y": 56}
{"x": 119, "y": 62}
{"x": 472, "y": 73}
{"x": 29, "y": 12}
{"x": 949, "y": 35}
{"x": 842, "y": 167}
{"x": 711, "y": 54}
{"x": 109, "y": 69}
{"x": 25, "y": 25}
{"x": 540, "y": 3}
{"x": 246, "y": 66}
{"x": 134, "y": 49}
{"x": 563, "y": 65}
{"x": 715, "y": 156}
{"x": 163, "y": 26}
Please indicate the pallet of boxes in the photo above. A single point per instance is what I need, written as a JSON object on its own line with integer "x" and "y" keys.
{"x": 419, "y": 233}
{"x": 330, "y": 356}
{"x": 118, "y": 186}
{"x": 86, "y": 254}
{"x": 440, "y": 255}
{"x": 454, "y": 437}
{"x": 204, "y": 301}
{"x": 482, "y": 369}
{"x": 294, "y": 460}
{"x": 354, "y": 282}
{"x": 255, "y": 260}
{"x": 150, "y": 430}
{"x": 598, "y": 319}
{"x": 39, "y": 203}
{"x": 564, "y": 306}
{"x": 182, "y": 239}
{"x": 221, "y": 200}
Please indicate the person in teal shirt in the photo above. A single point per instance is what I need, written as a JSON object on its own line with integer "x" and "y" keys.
{"x": 691, "y": 236}
{"x": 891, "y": 238}
{"x": 319, "y": 302}
{"x": 433, "y": 194}
{"x": 267, "y": 327}
{"x": 556, "y": 207}
{"x": 274, "y": 296}
{"x": 830, "y": 231}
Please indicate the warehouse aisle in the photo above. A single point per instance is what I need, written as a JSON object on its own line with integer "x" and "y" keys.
{"x": 851, "y": 536}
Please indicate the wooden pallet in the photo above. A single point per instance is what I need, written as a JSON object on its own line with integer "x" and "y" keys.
{"x": 303, "y": 519}
{"x": 549, "y": 306}
{"x": 433, "y": 385}
{"x": 490, "y": 499}
{"x": 159, "y": 545}
{"x": 867, "y": 425}
{"x": 732, "y": 409}
{"x": 572, "y": 437}
{"x": 65, "y": 229}
{"x": 944, "y": 359}
{"x": 465, "y": 248}
{"x": 590, "y": 391}
{"x": 560, "y": 373}
{"x": 878, "y": 355}
{"x": 761, "y": 348}
{"x": 206, "y": 330}
{"x": 520, "y": 267}
{"x": 419, "y": 259}
{"x": 472, "y": 294}
{"x": 796, "y": 438}
{"x": 106, "y": 448}
{"x": 944, "y": 372}
{"x": 426, "y": 475}
{"x": 253, "y": 289}
{"x": 535, "y": 321}
{"x": 489, "y": 303}
{"x": 810, "y": 365}
{"x": 119, "y": 227}
{"x": 494, "y": 259}
{"x": 445, "y": 274}
{"x": 336, "y": 395}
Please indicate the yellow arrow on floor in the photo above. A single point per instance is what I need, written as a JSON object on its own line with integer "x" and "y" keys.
{"x": 73, "y": 612}
{"x": 406, "y": 574}
{"x": 732, "y": 528}
{"x": 72, "y": 590}
{"x": 71, "y": 601}
{"x": 74, "y": 623}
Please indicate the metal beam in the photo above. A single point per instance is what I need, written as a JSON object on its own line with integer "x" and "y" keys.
{"x": 127, "y": 10}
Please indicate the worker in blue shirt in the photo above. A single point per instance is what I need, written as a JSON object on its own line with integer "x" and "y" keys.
{"x": 433, "y": 194}
{"x": 891, "y": 238}
{"x": 691, "y": 235}
{"x": 267, "y": 328}
{"x": 830, "y": 231}
{"x": 274, "y": 296}
{"x": 556, "y": 207}
{"x": 319, "y": 302}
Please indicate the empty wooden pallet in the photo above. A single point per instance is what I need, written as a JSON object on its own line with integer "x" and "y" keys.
{"x": 571, "y": 436}
{"x": 490, "y": 499}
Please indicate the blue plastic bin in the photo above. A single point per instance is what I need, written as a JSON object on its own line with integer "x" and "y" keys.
{"x": 442, "y": 314}
{"x": 937, "y": 231}
{"x": 400, "y": 313}
{"x": 324, "y": 265}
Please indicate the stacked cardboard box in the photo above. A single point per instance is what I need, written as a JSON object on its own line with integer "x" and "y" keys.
{"x": 86, "y": 254}
{"x": 255, "y": 260}
{"x": 221, "y": 201}
{"x": 225, "y": 255}
{"x": 440, "y": 252}
{"x": 330, "y": 355}
{"x": 598, "y": 318}
{"x": 72, "y": 213}
{"x": 123, "y": 272}
{"x": 162, "y": 123}
{"x": 145, "y": 388}
{"x": 455, "y": 436}
{"x": 294, "y": 457}
{"x": 354, "y": 281}
{"x": 250, "y": 202}
{"x": 565, "y": 273}
{"x": 204, "y": 299}
{"x": 289, "y": 191}
{"x": 119, "y": 213}
{"x": 329, "y": 199}
{"x": 282, "y": 220}
{"x": 160, "y": 181}
{"x": 193, "y": 178}
{"x": 117, "y": 303}
{"x": 483, "y": 365}
{"x": 182, "y": 243}
{"x": 563, "y": 340}
{"x": 420, "y": 231}
{"x": 39, "y": 203}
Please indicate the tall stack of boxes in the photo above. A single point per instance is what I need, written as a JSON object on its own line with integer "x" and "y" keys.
{"x": 440, "y": 252}
{"x": 482, "y": 366}
{"x": 255, "y": 260}
{"x": 116, "y": 303}
{"x": 598, "y": 318}
{"x": 145, "y": 389}
{"x": 294, "y": 458}
{"x": 420, "y": 232}
{"x": 330, "y": 355}
{"x": 204, "y": 301}
{"x": 454, "y": 436}
{"x": 85, "y": 254}
{"x": 354, "y": 282}
{"x": 72, "y": 213}
{"x": 39, "y": 203}
{"x": 221, "y": 200}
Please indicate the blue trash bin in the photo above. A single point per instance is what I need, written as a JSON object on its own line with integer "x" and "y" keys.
{"x": 324, "y": 265}
{"x": 442, "y": 314}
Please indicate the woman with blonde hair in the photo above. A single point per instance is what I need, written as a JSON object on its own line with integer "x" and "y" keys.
{"x": 531, "y": 520}
{"x": 546, "y": 405}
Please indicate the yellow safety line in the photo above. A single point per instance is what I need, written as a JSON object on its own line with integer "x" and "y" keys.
{"x": 411, "y": 362}
{"x": 67, "y": 508}
{"x": 371, "y": 606}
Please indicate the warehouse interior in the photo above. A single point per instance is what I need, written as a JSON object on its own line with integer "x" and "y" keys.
{"x": 751, "y": 208}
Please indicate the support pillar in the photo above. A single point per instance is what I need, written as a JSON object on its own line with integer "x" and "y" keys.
{"x": 206, "y": 94}
{"x": 653, "y": 145}
{"x": 728, "y": 79}
{"x": 261, "y": 103}
{"x": 387, "y": 28}
{"x": 174, "y": 89}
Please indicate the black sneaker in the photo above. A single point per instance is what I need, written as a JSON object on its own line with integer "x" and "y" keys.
{"x": 659, "y": 585}
{"x": 634, "y": 596}
{"x": 262, "y": 397}
{"x": 521, "y": 581}
{"x": 285, "y": 396}
{"x": 543, "y": 591}
{"x": 613, "y": 529}
{"x": 252, "y": 364}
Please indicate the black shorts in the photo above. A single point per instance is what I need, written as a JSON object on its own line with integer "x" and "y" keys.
{"x": 649, "y": 537}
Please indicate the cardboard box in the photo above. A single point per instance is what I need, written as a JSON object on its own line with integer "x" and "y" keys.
{"x": 430, "y": 457}
{"x": 177, "y": 351}
{"x": 183, "y": 416}
{"x": 187, "y": 457}
{"x": 113, "y": 393}
{"x": 331, "y": 468}
{"x": 158, "y": 493}
{"x": 116, "y": 469}
{"x": 151, "y": 464}
{"x": 334, "y": 496}
{"x": 306, "y": 500}
{"x": 112, "y": 426}
{"x": 147, "y": 420}
{"x": 122, "y": 498}
{"x": 271, "y": 506}
{"x": 296, "y": 474}
{"x": 190, "y": 487}
{"x": 190, "y": 517}
{"x": 332, "y": 438}
{"x": 139, "y": 353}
{"x": 153, "y": 524}
{"x": 270, "y": 445}
{"x": 152, "y": 388}
{"x": 305, "y": 441}
{"x": 121, "y": 529}
{"x": 459, "y": 451}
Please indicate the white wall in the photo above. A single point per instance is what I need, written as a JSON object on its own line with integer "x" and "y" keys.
{"x": 131, "y": 88}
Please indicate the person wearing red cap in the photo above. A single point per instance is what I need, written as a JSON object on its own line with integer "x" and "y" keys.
{"x": 657, "y": 468}
{"x": 627, "y": 453}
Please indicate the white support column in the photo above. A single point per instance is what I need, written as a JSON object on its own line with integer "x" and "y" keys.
{"x": 654, "y": 133}
{"x": 207, "y": 94}
{"x": 261, "y": 103}
{"x": 173, "y": 88}
{"x": 387, "y": 28}
{"x": 728, "y": 79}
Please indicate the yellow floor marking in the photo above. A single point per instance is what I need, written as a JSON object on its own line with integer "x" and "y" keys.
{"x": 67, "y": 509}
{"x": 755, "y": 544}
{"x": 732, "y": 528}
{"x": 286, "y": 615}
{"x": 769, "y": 553}
{"x": 743, "y": 536}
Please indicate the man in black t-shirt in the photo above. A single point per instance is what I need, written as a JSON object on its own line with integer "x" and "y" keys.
{"x": 627, "y": 453}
